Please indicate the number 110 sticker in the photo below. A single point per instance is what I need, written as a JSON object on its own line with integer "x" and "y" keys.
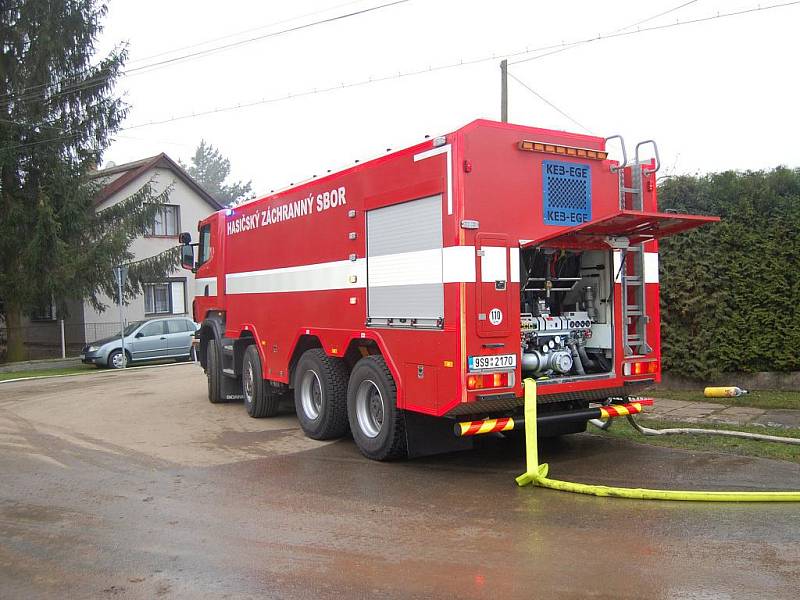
{"x": 495, "y": 316}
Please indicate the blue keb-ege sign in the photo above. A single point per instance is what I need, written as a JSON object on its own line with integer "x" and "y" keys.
{"x": 567, "y": 193}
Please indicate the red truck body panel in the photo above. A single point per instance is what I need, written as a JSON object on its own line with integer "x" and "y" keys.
{"x": 294, "y": 264}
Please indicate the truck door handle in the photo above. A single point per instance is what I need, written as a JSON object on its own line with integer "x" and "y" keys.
{"x": 162, "y": 337}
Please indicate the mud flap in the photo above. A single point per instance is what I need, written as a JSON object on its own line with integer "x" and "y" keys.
{"x": 232, "y": 388}
{"x": 427, "y": 435}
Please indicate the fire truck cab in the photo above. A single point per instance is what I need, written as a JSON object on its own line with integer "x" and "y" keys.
{"x": 398, "y": 295}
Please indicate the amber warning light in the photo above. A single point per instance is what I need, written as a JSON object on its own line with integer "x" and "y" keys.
{"x": 531, "y": 146}
{"x": 482, "y": 381}
{"x": 640, "y": 368}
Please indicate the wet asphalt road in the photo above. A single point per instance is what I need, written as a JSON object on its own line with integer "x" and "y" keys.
{"x": 131, "y": 485}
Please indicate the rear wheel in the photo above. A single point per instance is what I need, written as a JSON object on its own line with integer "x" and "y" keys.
{"x": 260, "y": 400}
{"x": 214, "y": 373}
{"x": 320, "y": 395}
{"x": 377, "y": 424}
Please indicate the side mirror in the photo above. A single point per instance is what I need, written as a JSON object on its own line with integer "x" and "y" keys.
{"x": 185, "y": 238}
{"x": 139, "y": 335}
{"x": 187, "y": 256}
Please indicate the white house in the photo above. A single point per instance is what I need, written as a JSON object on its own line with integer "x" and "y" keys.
{"x": 188, "y": 203}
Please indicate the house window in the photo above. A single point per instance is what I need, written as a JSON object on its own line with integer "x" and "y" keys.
{"x": 45, "y": 312}
{"x": 166, "y": 222}
{"x": 165, "y": 298}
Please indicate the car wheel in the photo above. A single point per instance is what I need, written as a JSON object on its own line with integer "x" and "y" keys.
{"x": 260, "y": 400}
{"x": 115, "y": 359}
{"x": 214, "y": 373}
{"x": 377, "y": 424}
{"x": 320, "y": 395}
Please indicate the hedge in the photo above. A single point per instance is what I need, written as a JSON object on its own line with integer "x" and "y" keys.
{"x": 730, "y": 291}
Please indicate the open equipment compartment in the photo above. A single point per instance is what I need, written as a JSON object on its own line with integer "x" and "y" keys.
{"x": 566, "y": 312}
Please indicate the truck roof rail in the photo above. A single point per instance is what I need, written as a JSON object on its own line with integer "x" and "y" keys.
{"x": 655, "y": 151}
{"x": 624, "y": 153}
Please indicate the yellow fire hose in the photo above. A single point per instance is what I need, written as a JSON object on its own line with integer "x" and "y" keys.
{"x": 537, "y": 474}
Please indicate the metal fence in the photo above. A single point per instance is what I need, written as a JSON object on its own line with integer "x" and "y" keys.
{"x": 47, "y": 339}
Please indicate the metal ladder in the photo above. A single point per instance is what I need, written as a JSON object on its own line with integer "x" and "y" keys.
{"x": 634, "y": 312}
{"x": 634, "y": 300}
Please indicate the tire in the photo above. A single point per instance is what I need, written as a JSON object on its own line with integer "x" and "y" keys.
{"x": 214, "y": 373}
{"x": 377, "y": 424}
{"x": 320, "y": 395}
{"x": 115, "y": 359}
{"x": 260, "y": 400}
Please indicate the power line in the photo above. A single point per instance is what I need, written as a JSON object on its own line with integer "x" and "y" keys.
{"x": 34, "y": 92}
{"x": 609, "y": 36}
{"x": 85, "y": 70}
{"x": 252, "y": 29}
{"x": 661, "y": 14}
{"x": 546, "y": 101}
{"x": 160, "y": 64}
{"x": 558, "y": 48}
{"x": 236, "y": 44}
{"x": 569, "y": 47}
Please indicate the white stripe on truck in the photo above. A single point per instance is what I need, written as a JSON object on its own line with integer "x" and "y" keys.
{"x": 453, "y": 264}
{"x": 447, "y": 265}
{"x": 650, "y": 266}
{"x": 405, "y": 268}
{"x": 201, "y": 283}
{"x": 303, "y": 278}
{"x": 448, "y": 169}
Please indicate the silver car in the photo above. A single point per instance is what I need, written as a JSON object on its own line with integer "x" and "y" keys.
{"x": 153, "y": 339}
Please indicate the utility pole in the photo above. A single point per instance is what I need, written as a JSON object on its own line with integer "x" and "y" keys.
{"x": 63, "y": 340}
{"x": 504, "y": 91}
{"x": 121, "y": 274}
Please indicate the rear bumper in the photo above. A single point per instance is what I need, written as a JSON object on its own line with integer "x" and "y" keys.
{"x": 493, "y": 403}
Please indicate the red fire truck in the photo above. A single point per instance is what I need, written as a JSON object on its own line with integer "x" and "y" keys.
{"x": 400, "y": 294}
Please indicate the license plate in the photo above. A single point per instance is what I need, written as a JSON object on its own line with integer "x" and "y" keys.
{"x": 495, "y": 361}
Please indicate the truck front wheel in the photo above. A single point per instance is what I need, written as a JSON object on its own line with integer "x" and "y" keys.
{"x": 259, "y": 398}
{"x": 377, "y": 424}
{"x": 320, "y": 395}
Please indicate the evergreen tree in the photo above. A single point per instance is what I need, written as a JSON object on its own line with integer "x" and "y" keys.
{"x": 57, "y": 115}
{"x": 730, "y": 292}
{"x": 210, "y": 169}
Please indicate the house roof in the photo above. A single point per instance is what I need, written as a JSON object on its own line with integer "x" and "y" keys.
{"x": 132, "y": 170}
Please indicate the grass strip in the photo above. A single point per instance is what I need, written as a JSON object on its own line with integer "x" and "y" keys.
{"x": 43, "y": 372}
{"x": 765, "y": 399}
{"x": 621, "y": 429}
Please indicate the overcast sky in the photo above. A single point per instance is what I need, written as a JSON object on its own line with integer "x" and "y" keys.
{"x": 720, "y": 94}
